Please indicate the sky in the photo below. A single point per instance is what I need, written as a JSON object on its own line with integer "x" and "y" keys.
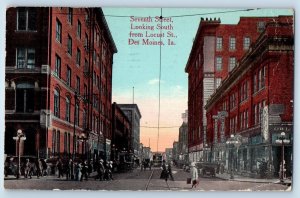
{"x": 138, "y": 66}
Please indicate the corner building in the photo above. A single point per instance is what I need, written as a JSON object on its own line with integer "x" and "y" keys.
{"x": 58, "y": 81}
{"x": 257, "y": 101}
{"x": 216, "y": 52}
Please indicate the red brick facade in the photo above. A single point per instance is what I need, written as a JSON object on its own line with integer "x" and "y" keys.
{"x": 217, "y": 52}
{"x": 64, "y": 59}
{"x": 258, "y": 96}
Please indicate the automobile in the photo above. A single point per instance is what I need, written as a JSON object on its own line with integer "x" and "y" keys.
{"x": 207, "y": 168}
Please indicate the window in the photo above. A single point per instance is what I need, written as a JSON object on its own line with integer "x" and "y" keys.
{"x": 85, "y": 92}
{"x": 25, "y": 58}
{"x": 232, "y": 63}
{"x": 232, "y": 100}
{"x": 69, "y": 76}
{"x": 70, "y": 15}
{"x": 53, "y": 141}
{"x": 77, "y": 114}
{"x": 94, "y": 77}
{"x": 79, "y": 29}
{"x": 25, "y": 97}
{"x": 78, "y": 57}
{"x": 86, "y": 43}
{"x": 69, "y": 45}
{"x": 56, "y": 103}
{"x": 256, "y": 113}
{"x": 232, "y": 43}
{"x": 26, "y": 19}
{"x": 218, "y": 82}
{"x": 57, "y": 66}
{"x": 219, "y": 43}
{"x": 261, "y": 26}
{"x": 84, "y": 119}
{"x": 78, "y": 85}
{"x": 58, "y": 30}
{"x": 68, "y": 109}
{"x": 94, "y": 55}
{"x": 86, "y": 66}
{"x": 219, "y": 63}
{"x": 254, "y": 83}
{"x": 58, "y": 141}
{"x": 244, "y": 91}
{"x": 261, "y": 78}
{"x": 246, "y": 43}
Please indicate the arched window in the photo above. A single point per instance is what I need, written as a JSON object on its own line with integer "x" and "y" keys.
{"x": 25, "y": 97}
{"x": 56, "y": 102}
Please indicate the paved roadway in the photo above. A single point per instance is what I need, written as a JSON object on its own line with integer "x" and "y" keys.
{"x": 140, "y": 180}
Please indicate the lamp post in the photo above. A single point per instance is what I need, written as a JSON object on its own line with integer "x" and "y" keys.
{"x": 282, "y": 140}
{"x": 20, "y": 136}
{"x": 231, "y": 142}
{"x": 206, "y": 150}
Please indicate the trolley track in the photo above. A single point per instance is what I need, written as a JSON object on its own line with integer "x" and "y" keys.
{"x": 148, "y": 186}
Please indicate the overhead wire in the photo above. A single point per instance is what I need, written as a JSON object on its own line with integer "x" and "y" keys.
{"x": 159, "y": 80}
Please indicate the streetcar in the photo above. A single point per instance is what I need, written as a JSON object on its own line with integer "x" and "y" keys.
{"x": 157, "y": 159}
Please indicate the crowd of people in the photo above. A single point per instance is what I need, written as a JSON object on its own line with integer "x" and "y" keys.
{"x": 71, "y": 170}
{"x": 81, "y": 170}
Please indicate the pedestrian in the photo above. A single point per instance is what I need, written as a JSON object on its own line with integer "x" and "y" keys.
{"x": 28, "y": 169}
{"x": 170, "y": 171}
{"x": 194, "y": 175}
{"x": 84, "y": 171}
{"x": 100, "y": 170}
{"x": 77, "y": 171}
{"x": 90, "y": 167}
{"x": 39, "y": 168}
{"x": 44, "y": 167}
{"x": 59, "y": 166}
{"x": 68, "y": 169}
{"x": 110, "y": 170}
{"x": 164, "y": 173}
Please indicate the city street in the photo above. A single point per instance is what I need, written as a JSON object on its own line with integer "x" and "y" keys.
{"x": 142, "y": 180}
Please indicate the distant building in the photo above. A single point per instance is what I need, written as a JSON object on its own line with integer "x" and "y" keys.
{"x": 146, "y": 153}
{"x": 133, "y": 113}
{"x": 169, "y": 154}
{"x": 175, "y": 154}
{"x": 121, "y": 131}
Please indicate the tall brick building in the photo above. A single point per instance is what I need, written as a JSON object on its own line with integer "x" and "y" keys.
{"x": 256, "y": 98}
{"x": 217, "y": 50}
{"x": 58, "y": 81}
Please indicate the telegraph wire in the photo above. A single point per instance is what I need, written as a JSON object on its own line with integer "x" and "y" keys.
{"x": 175, "y": 16}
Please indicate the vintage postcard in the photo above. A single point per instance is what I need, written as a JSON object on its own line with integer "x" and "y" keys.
{"x": 147, "y": 99}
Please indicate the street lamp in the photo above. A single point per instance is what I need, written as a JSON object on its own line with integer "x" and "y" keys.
{"x": 231, "y": 142}
{"x": 282, "y": 140}
{"x": 20, "y": 136}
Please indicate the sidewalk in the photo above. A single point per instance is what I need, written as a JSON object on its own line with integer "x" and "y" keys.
{"x": 226, "y": 176}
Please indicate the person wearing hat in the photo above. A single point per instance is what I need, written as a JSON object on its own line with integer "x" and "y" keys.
{"x": 100, "y": 170}
{"x": 194, "y": 175}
